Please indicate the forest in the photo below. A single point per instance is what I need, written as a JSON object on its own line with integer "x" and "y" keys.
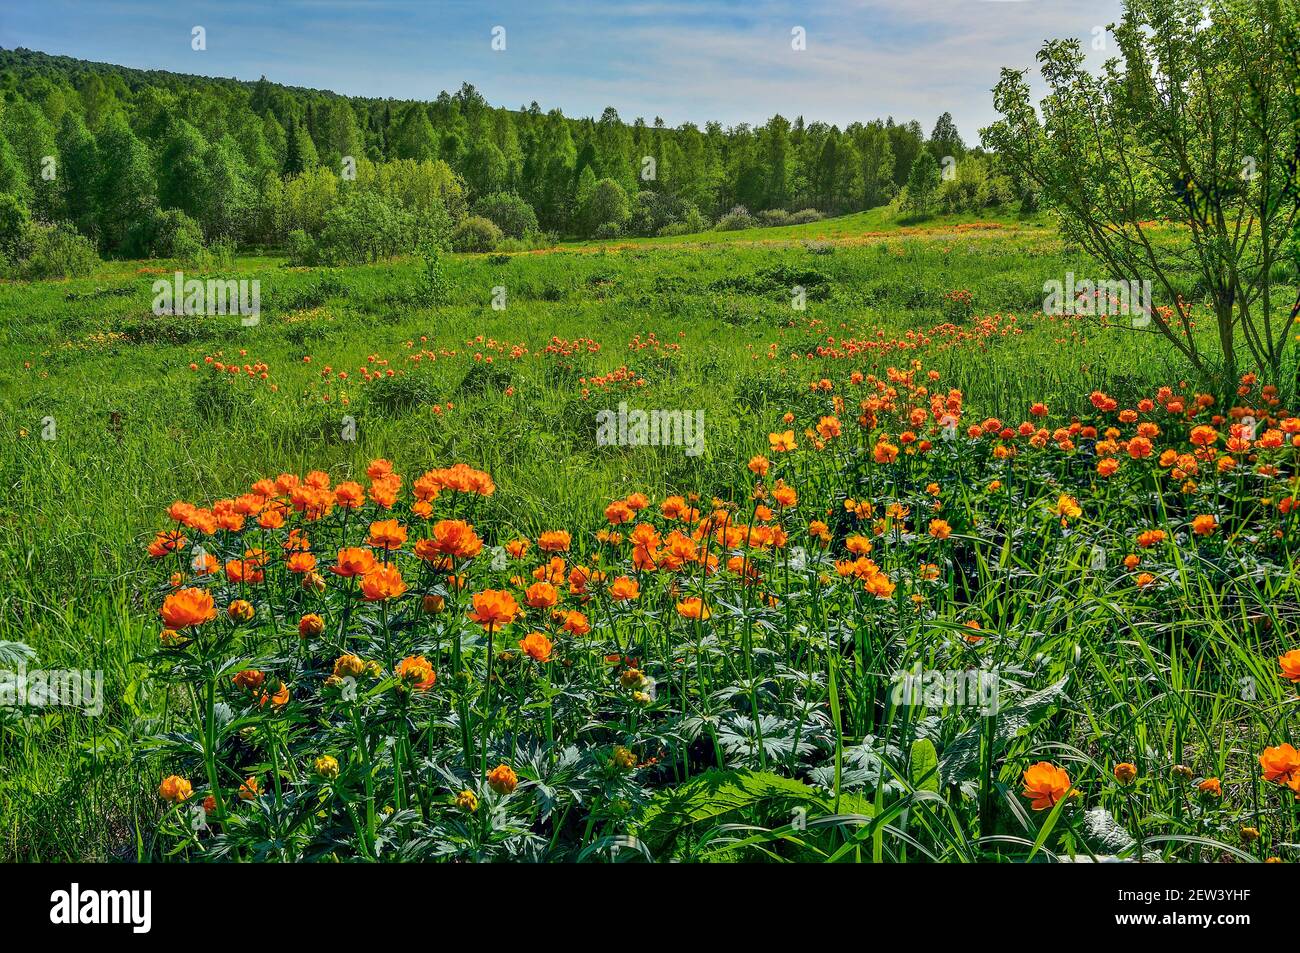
{"x": 107, "y": 160}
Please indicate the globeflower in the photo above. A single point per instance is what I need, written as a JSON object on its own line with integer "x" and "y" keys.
{"x": 310, "y": 625}
{"x": 354, "y": 561}
{"x": 174, "y": 788}
{"x": 536, "y": 646}
{"x": 1280, "y": 764}
{"x": 387, "y": 534}
{"x": 554, "y": 541}
{"x": 541, "y": 595}
{"x": 1067, "y": 507}
{"x": 624, "y": 589}
{"x": 417, "y": 672}
{"x": 1045, "y": 785}
{"x": 1290, "y": 665}
{"x": 494, "y": 608}
{"x": 188, "y": 607}
{"x": 327, "y": 767}
{"x": 382, "y": 582}
{"x": 693, "y": 608}
{"x": 503, "y": 779}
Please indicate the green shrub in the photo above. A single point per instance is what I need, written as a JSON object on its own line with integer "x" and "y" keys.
{"x": 59, "y": 251}
{"x": 508, "y": 212}
{"x": 475, "y": 234}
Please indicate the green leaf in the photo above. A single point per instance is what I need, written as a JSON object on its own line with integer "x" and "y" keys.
{"x": 924, "y": 766}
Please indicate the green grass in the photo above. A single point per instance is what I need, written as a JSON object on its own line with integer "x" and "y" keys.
{"x": 136, "y": 428}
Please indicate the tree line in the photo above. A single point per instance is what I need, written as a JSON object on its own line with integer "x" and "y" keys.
{"x": 149, "y": 163}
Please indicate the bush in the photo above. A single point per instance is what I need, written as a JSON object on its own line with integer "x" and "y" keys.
{"x": 508, "y": 212}
{"x": 609, "y": 230}
{"x": 302, "y": 250}
{"x": 804, "y": 216}
{"x": 735, "y": 220}
{"x": 165, "y": 233}
{"x": 475, "y": 234}
{"x": 606, "y": 205}
{"x": 368, "y": 228}
{"x": 59, "y": 251}
{"x": 773, "y": 217}
{"x": 15, "y": 229}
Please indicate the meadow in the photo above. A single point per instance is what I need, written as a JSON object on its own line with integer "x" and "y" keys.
{"x": 907, "y": 469}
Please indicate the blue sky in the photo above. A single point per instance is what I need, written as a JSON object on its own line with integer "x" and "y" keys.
{"x": 683, "y": 60}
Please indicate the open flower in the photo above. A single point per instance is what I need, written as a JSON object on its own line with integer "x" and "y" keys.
{"x": 494, "y": 608}
{"x": 1290, "y": 665}
{"x": 1280, "y": 764}
{"x": 536, "y": 646}
{"x": 382, "y": 582}
{"x": 1045, "y": 785}
{"x": 354, "y": 561}
{"x": 693, "y": 608}
{"x": 188, "y": 607}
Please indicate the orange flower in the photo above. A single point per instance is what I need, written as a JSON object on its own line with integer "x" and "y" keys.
{"x": 241, "y": 610}
{"x": 1211, "y": 786}
{"x": 300, "y": 563}
{"x": 623, "y": 589}
{"x": 1204, "y": 525}
{"x": 554, "y": 541}
{"x": 250, "y": 789}
{"x": 387, "y": 534}
{"x": 417, "y": 672}
{"x": 456, "y": 538}
{"x": 1280, "y": 764}
{"x": 885, "y": 452}
{"x": 618, "y": 512}
{"x": 310, "y": 625}
{"x": 541, "y": 595}
{"x": 1150, "y": 537}
{"x": 494, "y": 608}
{"x": 188, "y": 607}
{"x": 940, "y": 529}
{"x": 382, "y": 582}
{"x": 517, "y": 548}
{"x": 785, "y": 495}
{"x": 536, "y": 646}
{"x": 175, "y": 788}
{"x": 576, "y": 623}
{"x": 759, "y": 464}
{"x": 1290, "y": 665}
{"x": 693, "y": 608}
{"x": 502, "y": 779}
{"x": 781, "y": 442}
{"x": 354, "y": 561}
{"x": 244, "y": 570}
{"x": 1125, "y": 772}
{"x": 1045, "y": 785}
{"x": 1067, "y": 507}
{"x": 350, "y": 495}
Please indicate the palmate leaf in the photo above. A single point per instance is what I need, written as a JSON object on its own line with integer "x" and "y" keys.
{"x": 718, "y": 797}
{"x": 960, "y": 758}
